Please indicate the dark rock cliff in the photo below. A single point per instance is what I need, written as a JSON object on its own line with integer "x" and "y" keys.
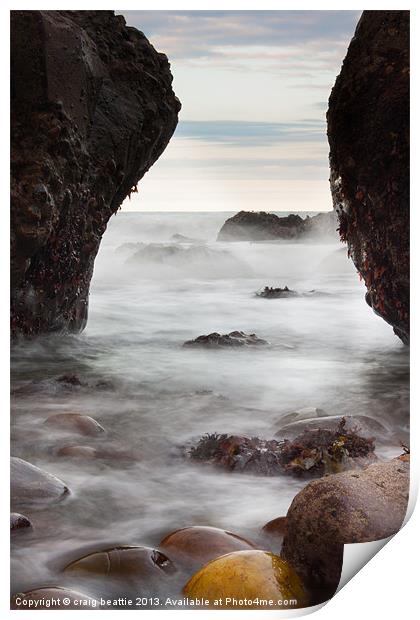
{"x": 368, "y": 132}
{"x": 92, "y": 109}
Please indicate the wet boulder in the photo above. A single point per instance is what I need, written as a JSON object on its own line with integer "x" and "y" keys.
{"x": 76, "y": 423}
{"x": 41, "y": 598}
{"x": 142, "y": 565}
{"x": 32, "y": 485}
{"x": 235, "y": 339}
{"x": 248, "y": 575}
{"x": 196, "y": 545}
{"x": 19, "y": 522}
{"x": 349, "y": 507}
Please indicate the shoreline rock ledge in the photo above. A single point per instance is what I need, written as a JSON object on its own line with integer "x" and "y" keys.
{"x": 92, "y": 108}
{"x": 368, "y": 132}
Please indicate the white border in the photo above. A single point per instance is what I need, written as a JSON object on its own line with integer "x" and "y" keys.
{"x": 387, "y": 586}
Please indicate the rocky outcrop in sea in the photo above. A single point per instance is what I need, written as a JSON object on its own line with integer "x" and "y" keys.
{"x": 368, "y": 132}
{"x": 262, "y": 226}
{"x": 92, "y": 109}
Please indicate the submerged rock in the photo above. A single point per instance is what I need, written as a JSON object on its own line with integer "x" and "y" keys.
{"x": 234, "y": 339}
{"x": 313, "y": 452}
{"x": 69, "y": 599}
{"x": 32, "y": 485}
{"x": 269, "y": 292}
{"x": 140, "y": 564}
{"x": 349, "y": 507}
{"x": 362, "y": 425}
{"x": 102, "y": 452}
{"x": 75, "y": 422}
{"x": 178, "y": 238}
{"x": 305, "y": 413}
{"x": 196, "y": 545}
{"x": 92, "y": 108}
{"x": 248, "y": 575}
{"x": 63, "y": 383}
{"x": 369, "y": 136}
{"x": 19, "y": 522}
{"x": 261, "y": 226}
{"x": 197, "y": 259}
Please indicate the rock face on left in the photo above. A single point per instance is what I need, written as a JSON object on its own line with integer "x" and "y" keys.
{"x": 92, "y": 109}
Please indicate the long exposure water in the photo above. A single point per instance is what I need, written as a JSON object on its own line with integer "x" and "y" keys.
{"x": 152, "y": 396}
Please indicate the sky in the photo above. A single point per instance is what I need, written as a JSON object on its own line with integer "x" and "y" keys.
{"x": 254, "y": 88}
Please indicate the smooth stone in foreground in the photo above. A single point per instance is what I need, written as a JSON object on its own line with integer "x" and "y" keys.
{"x": 248, "y": 575}
{"x": 32, "y": 485}
{"x": 75, "y": 422}
{"x": 142, "y": 564}
{"x": 68, "y": 599}
{"x": 349, "y": 507}
{"x": 19, "y": 522}
{"x": 198, "y": 544}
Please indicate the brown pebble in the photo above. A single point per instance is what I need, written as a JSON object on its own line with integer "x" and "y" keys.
{"x": 75, "y": 422}
{"x": 198, "y": 544}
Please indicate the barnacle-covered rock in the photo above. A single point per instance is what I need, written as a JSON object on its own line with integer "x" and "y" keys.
{"x": 368, "y": 132}
{"x": 92, "y": 108}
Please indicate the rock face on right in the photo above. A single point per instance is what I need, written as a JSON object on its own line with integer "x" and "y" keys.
{"x": 350, "y": 507}
{"x": 368, "y": 132}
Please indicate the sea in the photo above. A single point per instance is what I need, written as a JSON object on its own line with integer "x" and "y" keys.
{"x": 161, "y": 279}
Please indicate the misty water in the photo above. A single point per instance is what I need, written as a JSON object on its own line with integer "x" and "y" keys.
{"x": 327, "y": 350}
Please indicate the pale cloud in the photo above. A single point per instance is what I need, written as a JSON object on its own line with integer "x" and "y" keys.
{"x": 254, "y": 87}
